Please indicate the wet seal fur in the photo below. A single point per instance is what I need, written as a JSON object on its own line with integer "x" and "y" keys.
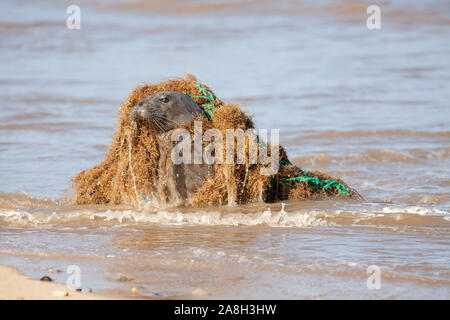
{"x": 133, "y": 166}
{"x": 165, "y": 110}
{"x": 161, "y": 112}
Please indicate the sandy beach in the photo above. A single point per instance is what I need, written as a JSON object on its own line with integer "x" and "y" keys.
{"x": 15, "y": 286}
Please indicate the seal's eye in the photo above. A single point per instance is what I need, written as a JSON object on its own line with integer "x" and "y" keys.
{"x": 164, "y": 100}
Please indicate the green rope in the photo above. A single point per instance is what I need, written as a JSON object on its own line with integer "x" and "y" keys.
{"x": 319, "y": 183}
{"x": 205, "y": 94}
{"x": 304, "y": 177}
{"x": 262, "y": 143}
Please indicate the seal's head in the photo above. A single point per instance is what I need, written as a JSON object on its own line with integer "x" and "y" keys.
{"x": 165, "y": 110}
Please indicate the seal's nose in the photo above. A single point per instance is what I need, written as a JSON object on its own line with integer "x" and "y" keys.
{"x": 142, "y": 112}
{"x": 139, "y": 112}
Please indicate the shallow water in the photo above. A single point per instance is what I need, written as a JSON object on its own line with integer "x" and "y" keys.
{"x": 371, "y": 107}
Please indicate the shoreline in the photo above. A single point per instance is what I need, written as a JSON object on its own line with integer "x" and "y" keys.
{"x": 16, "y": 286}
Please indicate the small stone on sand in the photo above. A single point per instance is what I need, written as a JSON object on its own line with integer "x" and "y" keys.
{"x": 54, "y": 271}
{"x": 60, "y": 293}
{"x": 122, "y": 278}
{"x": 46, "y": 278}
{"x": 200, "y": 292}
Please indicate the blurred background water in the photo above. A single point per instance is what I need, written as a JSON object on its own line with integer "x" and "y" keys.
{"x": 369, "y": 106}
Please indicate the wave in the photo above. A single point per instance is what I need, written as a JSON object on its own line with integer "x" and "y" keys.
{"x": 27, "y": 210}
{"x": 21, "y": 200}
{"x": 29, "y": 25}
{"x": 297, "y": 218}
{"x": 349, "y": 11}
{"x": 331, "y": 134}
{"x": 415, "y": 156}
{"x": 211, "y": 218}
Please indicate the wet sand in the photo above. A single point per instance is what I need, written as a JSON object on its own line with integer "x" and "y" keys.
{"x": 15, "y": 286}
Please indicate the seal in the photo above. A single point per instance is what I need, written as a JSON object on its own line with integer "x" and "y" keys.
{"x": 163, "y": 111}
{"x": 144, "y": 171}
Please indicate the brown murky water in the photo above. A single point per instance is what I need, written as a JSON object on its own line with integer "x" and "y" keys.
{"x": 371, "y": 107}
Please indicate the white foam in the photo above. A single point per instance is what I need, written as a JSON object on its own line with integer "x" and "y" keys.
{"x": 283, "y": 218}
{"x": 277, "y": 219}
{"x": 274, "y": 219}
{"x": 18, "y": 217}
{"x": 415, "y": 210}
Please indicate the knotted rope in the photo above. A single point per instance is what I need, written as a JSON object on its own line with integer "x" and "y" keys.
{"x": 302, "y": 178}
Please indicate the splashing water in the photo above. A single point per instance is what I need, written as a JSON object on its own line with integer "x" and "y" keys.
{"x": 138, "y": 202}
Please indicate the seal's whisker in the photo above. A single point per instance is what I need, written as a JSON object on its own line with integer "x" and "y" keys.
{"x": 153, "y": 124}
{"x": 171, "y": 121}
{"x": 167, "y": 122}
{"x": 162, "y": 121}
{"x": 157, "y": 115}
{"x": 159, "y": 124}
{"x": 165, "y": 119}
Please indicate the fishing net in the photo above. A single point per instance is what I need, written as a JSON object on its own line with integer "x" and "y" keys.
{"x": 135, "y": 168}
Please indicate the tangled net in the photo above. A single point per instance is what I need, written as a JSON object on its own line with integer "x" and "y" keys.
{"x": 132, "y": 169}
